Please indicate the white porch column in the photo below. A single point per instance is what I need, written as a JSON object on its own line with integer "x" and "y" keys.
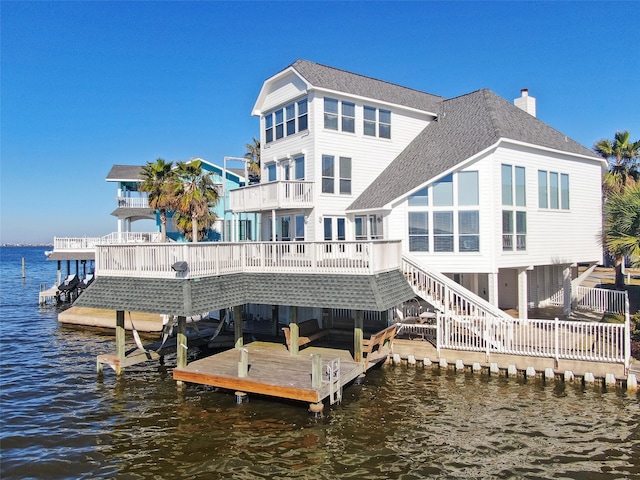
{"x": 523, "y": 302}
{"x": 492, "y": 281}
{"x": 273, "y": 226}
{"x": 566, "y": 289}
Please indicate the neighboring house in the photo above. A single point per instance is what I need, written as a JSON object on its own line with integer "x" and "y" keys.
{"x": 133, "y": 204}
{"x": 475, "y": 187}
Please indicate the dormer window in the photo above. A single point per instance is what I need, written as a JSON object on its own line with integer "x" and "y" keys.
{"x": 286, "y": 121}
{"x": 339, "y": 115}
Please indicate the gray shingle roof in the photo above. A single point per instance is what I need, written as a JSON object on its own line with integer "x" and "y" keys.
{"x": 128, "y": 173}
{"x": 195, "y": 296}
{"x": 335, "y": 79}
{"x": 466, "y": 125}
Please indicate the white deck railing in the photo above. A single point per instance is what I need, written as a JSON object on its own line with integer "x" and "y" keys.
{"x": 214, "y": 258}
{"x": 271, "y": 195}
{"x": 133, "y": 202}
{"x": 587, "y": 341}
{"x": 89, "y": 243}
{"x": 600, "y": 300}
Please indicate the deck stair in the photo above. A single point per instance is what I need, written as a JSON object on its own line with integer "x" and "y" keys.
{"x": 455, "y": 301}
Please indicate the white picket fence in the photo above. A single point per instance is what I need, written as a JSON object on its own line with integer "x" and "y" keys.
{"x": 588, "y": 341}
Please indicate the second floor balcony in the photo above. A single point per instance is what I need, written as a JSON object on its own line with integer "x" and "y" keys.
{"x": 133, "y": 202}
{"x": 194, "y": 260}
{"x": 83, "y": 244}
{"x": 272, "y": 195}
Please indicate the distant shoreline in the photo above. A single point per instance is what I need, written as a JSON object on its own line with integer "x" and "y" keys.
{"x": 27, "y": 245}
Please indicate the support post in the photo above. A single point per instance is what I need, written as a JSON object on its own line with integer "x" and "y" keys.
{"x": 120, "y": 349}
{"x": 294, "y": 330}
{"x": 523, "y": 303}
{"x": 492, "y": 284}
{"x": 316, "y": 370}
{"x": 566, "y": 289}
{"x": 181, "y": 344}
{"x": 237, "y": 325}
{"x": 275, "y": 320}
{"x": 358, "y": 327}
{"x": 243, "y": 364}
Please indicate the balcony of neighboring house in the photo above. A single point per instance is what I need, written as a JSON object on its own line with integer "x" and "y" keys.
{"x": 133, "y": 202}
{"x": 272, "y": 195}
{"x": 65, "y": 248}
{"x": 205, "y": 259}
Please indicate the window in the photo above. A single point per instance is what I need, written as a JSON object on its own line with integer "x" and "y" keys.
{"x": 564, "y": 191}
{"x": 279, "y": 115}
{"x": 514, "y": 194}
{"x": 468, "y": 188}
{"x": 553, "y": 190}
{"x": 268, "y": 128}
{"x": 507, "y": 230}
{"x": 348, "y": 117}
{"x": 507, "y": 185}
{"x": 245, "y": 230}
{"x": 384, "y": 128}
{"x": 377, "y": 122}
{"x": 361, "y": 227}
{"x": 341, "y": 222}
{"x": 375, "y": 227}
{"x": 328, "y": 231}
{"x": 369, "y": 121}
{"x": 418, "y": 231}
{"x": 543, "y": 191}
{"x": 299, "y": 168}
{"x": 443, "y": 231}
{"x": 286, "y": 121}
{"x": 331, "y": 113}
{"x": 299, "y": 228}
{"x": 469, "y": 231}
{"x": 443, "y": 191}
{"x": 345, "y": 176}
{"x": 286, "y": 221}
{"x": 328, "y": 174}
{"x": 521, "y": 230}
{"x": 271, "y": 172}
{"x": 420, "y": 198}
{"x": 302, "y": 115}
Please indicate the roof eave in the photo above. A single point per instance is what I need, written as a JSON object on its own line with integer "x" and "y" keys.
{"x": 257, "y": 107}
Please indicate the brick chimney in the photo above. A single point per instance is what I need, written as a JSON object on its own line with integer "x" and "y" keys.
{"x": 525, "y": 102}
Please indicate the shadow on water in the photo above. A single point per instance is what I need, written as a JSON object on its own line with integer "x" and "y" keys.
{"x": 61, "y": 420}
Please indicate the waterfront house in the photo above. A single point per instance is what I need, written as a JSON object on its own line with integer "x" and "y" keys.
{"x": 133, "y": 205}
{"x": 475, "y": 187}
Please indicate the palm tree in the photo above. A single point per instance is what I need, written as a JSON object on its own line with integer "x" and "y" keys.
{"x": 195, "y": 195}
{"x": 158, "y": 182}
{"x": 253, "y": 155}
{"x": 622, "y": 156}
{"x": 622, "y": 228}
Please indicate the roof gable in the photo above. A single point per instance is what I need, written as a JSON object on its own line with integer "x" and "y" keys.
{"x": 466, "y": 126}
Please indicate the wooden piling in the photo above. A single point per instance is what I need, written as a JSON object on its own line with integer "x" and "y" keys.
{"x": 294, "y": 330}
{"x": 120, "y": 342}
{"x": 358, "y": 337}
{"x": 23, "y": 270}
{"x": 316, "y": 370}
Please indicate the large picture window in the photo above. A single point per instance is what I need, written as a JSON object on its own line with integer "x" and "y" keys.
{"x": 443, "y": 231}
{"x": 418, "y": 231}
{"x": 469, "y": 231}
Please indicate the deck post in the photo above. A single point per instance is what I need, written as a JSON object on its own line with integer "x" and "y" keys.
{"x": 294, "y": 330}
{"x": 358, "y": 336}
{"x": 566, "y": 289}
{"x": 274, "y": 320}
{"x": 120, "y": 350}
{"x": 237, "y": 325}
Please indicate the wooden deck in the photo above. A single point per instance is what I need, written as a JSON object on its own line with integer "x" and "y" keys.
{"x": 273, "y": 371}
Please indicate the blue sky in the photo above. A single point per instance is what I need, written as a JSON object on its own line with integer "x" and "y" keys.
{"x": 86, "y": 85}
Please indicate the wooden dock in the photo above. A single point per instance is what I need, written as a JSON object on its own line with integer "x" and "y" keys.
{"x": 273, "y": 371}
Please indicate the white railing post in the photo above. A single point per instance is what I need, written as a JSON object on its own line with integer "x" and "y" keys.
{"x": 627, "y": 334}
{"x": 438, "y": 332}
{"x": 556, "y": 341}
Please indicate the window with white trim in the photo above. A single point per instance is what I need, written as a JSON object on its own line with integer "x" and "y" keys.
{"x": 286, "y": 121}
{"x": 418, "y": 231}
{"x": 299, "y": 226}
{"x": 553, "y": 190}
{"x": 348, "y": 117}
{"x": 376, "y": 122}
{"x": 368, "y": 227}
{"x": 514, "y": 220}
{"x": 271, "y": 172}
{"x": 345, "y": 176}
{"x": 328, "y": 174}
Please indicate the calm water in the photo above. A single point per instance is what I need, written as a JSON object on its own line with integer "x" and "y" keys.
{"x": 59, "y": 420}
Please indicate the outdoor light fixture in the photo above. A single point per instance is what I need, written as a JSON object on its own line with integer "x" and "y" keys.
{"x": 180, "y": 267}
